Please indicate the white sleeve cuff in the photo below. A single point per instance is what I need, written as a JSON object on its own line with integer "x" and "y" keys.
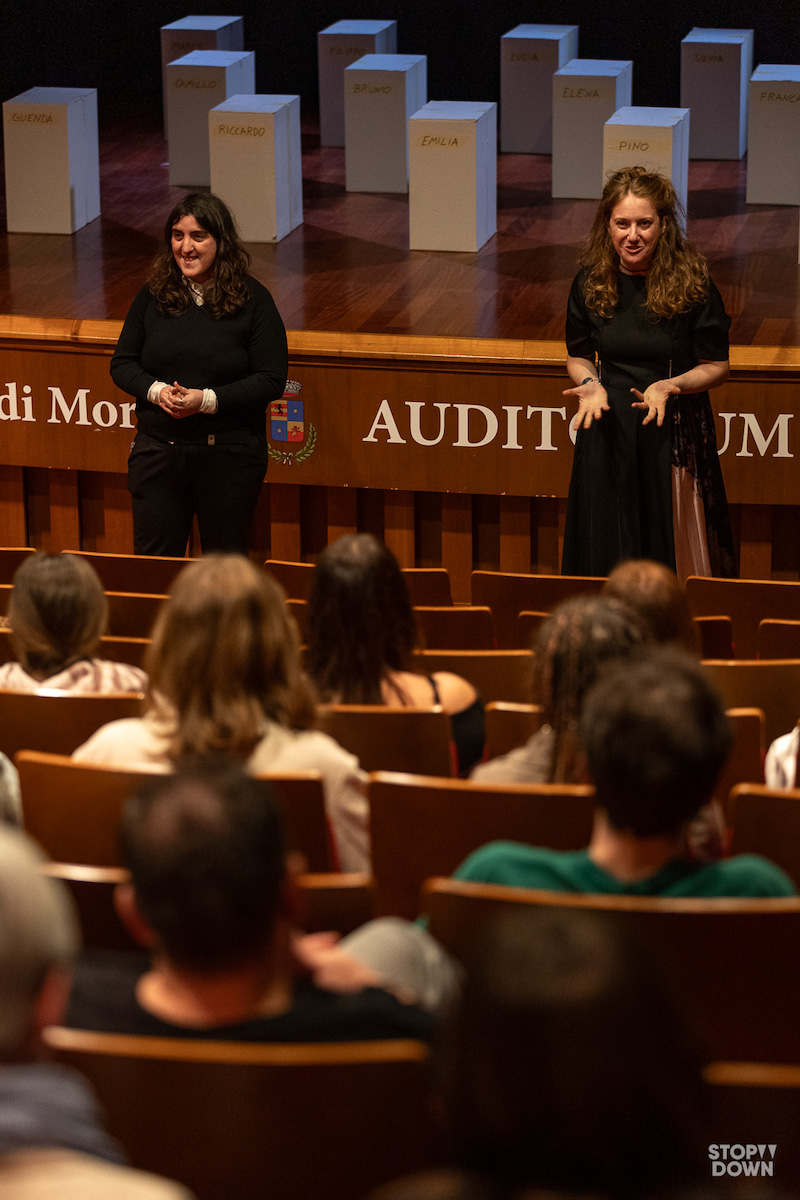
{"x": 154, "y": 391}
{"x": 209, "y": 404}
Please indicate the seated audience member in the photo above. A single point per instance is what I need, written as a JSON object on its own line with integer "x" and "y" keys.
{"x": 51, "y": 1140}
{"x": 565, "y": 1070}
{"x": 225, "y": 679}
{"x": 780, "y": 766}
{"x": 361, "y": 635}
{"x": 654, "y": 592}
{"x": 212, "y": 896}
{"x": 571, "y": 646}
{"x": 655, "y": 737}
{"x": 57, "y": 613}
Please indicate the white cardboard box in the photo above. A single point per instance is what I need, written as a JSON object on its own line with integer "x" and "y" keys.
{"x": 381, "y": 91}
{"x": 586, "y": 93}
{"x": 248, "y": 140}
{"x": 529, "y": 57}
{"x": 453, "y": 175}
{"x": 292, "y": 104}
{"x": 655, "y": 138}
{"x": 773, "y": 138}
{"x": 197, "y": 33}
{"x": 337, "y": 47}
{"x": 716, "y": 65}
{"x": 197, "y": 83}
{"x": 51, "y": 160}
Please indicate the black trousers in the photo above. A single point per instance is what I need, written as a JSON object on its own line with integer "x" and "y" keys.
{"x": 171, "y": 482}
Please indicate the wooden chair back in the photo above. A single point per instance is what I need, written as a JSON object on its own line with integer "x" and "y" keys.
{"x": 59, "y": 721}
{"x": 746, "y": 602}
{"x": 508, "y": 595}
{"x": 734, "y": 964}
{"x": 746, "y": 760}
{"x": 234, "y": 1119}
{"x": 458, "y": 627}
{"x": 117, "y": 649}
{"x": 294, "y": 577}
{"x": 766, "y": 821}
{"x": 495, "y": 674}
{"x": 134, "y": 572}
{"x": 778, "y": 639}
{"x": 340, "y": 902}
{"x": 92, "y": 890}
{"x": 298, "y": 609}
{"x": 772, "y": 685}
{"x": 528, "y": 624}
{"x": 73, "y": 809}
{"x": 392, "y": 739}
{"x": 429, "y": 585}
{"x": 757, "y": 1105}
{"x": 132, "y": 614}
{"x": 422, "y": 827}
{"x": 509, "y": 725}
{"x": 715, "y": 635}
{"x": 12, "y": 557}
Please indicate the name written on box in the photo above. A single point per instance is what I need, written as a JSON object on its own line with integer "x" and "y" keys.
{"x": 523, "y": 56}
{"x": 346, "y": 51}
{"x": 255, "y": 131}
{"x": 580, "y": 93}
{"x": 709, "y": 58}
{"x": 38, "y": 118}
{"x": 195, "y": 83}
{"x": 369, "y": 89}
{"x": 780, "y": 97}
{"x": 430, "y": 139}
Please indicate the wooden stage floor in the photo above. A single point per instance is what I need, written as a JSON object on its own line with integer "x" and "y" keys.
{"x": 348, "y": 267}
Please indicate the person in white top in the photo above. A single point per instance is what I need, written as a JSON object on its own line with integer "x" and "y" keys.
{"x": 225, "y": 680}
{"x": 57, "y": 613}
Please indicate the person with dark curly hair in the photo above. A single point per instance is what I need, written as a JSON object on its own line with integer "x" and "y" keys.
{"x": 203, "y": 350}
{"x": 647, "y": 337}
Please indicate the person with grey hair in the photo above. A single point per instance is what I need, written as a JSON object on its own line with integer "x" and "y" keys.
{"x": 51, "y": 1140}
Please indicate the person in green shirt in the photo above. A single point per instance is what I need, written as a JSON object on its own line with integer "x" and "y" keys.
{"x": 655, "y": 736}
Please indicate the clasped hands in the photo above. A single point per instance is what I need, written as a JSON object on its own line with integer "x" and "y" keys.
{"x": 179, "y": 401}
{"x": 593, "y": 402}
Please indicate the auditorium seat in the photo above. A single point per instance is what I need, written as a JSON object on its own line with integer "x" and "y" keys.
{"x": 429, "y": 585}
{"x": 772, "y": 685}
{"x": 455, "y": 627}
{"x": 734, "y": 964}
{"x": 528, "y": 624}
{"x": 423, "y": 827}
{"x": 508, "y": 595}
{"x": 235, "y": 1119}
{"x": 59, "y": 722}
{"x": 745, "y": 762}
{"x": 746, "y": 602}
{"x": 495, "y": 674}
{"x": 757, "y": 1105}
{"x": 72, "y": 809}
{"x": 12, "y": 557}
{"x": 133, "y": 614}
{"x": 392, "y": 739}
{"x": 715, "y": 635}
{"x": 509, "y": 726}
{"x": 298, "y": 610}
{"x": 778, "y": 639}
{"x": 294, "y": 577}
{"x": 339, "y": 902}
{"x": 767, "y": 821}
{"x": 134, "y": 572}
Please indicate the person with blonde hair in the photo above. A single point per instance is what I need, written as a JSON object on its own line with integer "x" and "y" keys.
{"x": 654, "y": 592}
{"x": 225, "y": 680}
{"x": 57, "y": 613}
{"x": 647, "y": 337}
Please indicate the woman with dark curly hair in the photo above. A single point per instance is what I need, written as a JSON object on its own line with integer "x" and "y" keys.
{"x": 647, "y": 336}
{"x": 203, "y": 350}
{"x": 361, "y": 635}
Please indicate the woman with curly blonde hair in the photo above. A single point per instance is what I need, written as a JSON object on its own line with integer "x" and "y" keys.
{"x": 203, "y": 350}
{"x": 647, "y": 337}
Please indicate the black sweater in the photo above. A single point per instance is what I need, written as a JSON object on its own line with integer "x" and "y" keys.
{"x": 242, "y": 357}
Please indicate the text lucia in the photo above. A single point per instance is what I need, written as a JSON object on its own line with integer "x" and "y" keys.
{"x": 471, "y": 426}
{"x": 738, "y": 1159}
{"x": 17, "y": 404}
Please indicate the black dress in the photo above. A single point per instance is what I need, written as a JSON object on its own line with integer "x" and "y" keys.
{"x": 643, "y": 491}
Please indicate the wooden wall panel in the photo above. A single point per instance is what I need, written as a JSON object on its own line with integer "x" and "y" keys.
{"x": 398, "y": 526}
{"x": 457, "y": 543}
{"x": 285, "y": 520}
{"x": 13, "y": 509}
{"x": 515, "y": 533}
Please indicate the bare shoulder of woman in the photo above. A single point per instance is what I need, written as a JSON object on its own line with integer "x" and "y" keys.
{"x": 455, "y": 693}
